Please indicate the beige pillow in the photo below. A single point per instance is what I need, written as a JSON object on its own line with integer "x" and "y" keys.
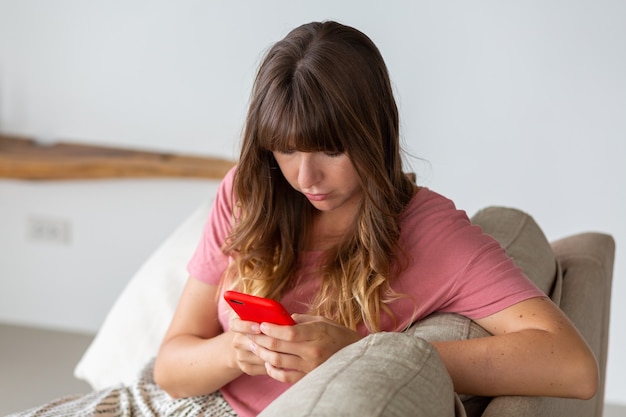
{"x": 134, "y": 327}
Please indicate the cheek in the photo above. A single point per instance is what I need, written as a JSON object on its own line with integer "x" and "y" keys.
{"x": 289, "y": 170}
{"x": 350, "y": 176}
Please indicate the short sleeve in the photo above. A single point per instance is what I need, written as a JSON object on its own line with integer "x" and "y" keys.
{"x": 209, "y": 261}
{"x": 453, "y": 266}
{"x": 490, "y": 282}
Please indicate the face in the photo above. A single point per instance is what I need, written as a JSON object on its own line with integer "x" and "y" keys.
{"x": 328, "y": 180}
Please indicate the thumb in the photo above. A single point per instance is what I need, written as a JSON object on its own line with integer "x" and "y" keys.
{"x": 305, "y": 318}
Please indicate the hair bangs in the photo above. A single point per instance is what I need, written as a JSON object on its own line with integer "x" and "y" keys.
{"x": 298, "y": 121}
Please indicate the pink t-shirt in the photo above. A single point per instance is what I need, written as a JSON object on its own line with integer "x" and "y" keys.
{"x": 452, "y": 267}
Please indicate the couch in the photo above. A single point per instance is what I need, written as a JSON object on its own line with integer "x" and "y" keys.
{"x": 581, "y": 286}
{"x": 575, "y": 271}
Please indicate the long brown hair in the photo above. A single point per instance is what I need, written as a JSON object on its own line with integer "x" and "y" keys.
{"x": 324, "y": 87}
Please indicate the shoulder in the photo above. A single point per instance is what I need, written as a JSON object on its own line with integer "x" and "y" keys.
{"x": 229, "y": 179}
{"x": 432, "y": 224}
{"x": 425, "y": 195}
{"x": 225, "y": 190}
{"x": 429, "y": 208}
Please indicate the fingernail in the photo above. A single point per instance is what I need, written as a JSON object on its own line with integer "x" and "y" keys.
{"x": 253, "y": 347}
{"x": 255, "y": 328}
{"x": 264, "y": 327}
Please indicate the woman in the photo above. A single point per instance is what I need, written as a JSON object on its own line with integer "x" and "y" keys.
{"x": 319, "y": 215}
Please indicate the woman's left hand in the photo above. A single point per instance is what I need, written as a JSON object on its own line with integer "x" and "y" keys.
{"x": 290, "y": 352}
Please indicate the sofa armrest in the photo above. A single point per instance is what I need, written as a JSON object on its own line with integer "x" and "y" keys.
{"x": 587, "y": 263}
{"x": 586, "y": 260}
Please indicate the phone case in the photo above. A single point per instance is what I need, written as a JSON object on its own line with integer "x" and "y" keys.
{"x": 261, "y": 310}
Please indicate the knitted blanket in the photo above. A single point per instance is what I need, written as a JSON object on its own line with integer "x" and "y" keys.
{"x": 143, "y": 398}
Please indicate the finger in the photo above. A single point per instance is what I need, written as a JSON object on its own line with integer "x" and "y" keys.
{"x": 272, "y": 344}
{"x": 241, "y": 326}
{"x": 245, "y": 357}
{"x": 242, "y": 342}
{"x": 308, "y": 328}
{"x": 253, "y": 369}
{"x": 287, "y": 333}
{"x": 305, "y": 318}
{"x": 245, "y": 350}
{"x": 289, "y": 376}
{"x": 278, "y": 359}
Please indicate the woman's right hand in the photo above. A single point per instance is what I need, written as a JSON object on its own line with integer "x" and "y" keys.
{"x": 244, "y": 356}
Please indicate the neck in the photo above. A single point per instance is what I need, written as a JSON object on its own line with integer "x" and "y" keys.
{"x": 327, "y": 230}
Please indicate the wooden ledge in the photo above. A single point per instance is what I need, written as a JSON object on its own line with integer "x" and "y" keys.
{"x": 22, "y": 158}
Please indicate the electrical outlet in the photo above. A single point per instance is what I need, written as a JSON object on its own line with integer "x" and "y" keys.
{"x": 49, "y": 230}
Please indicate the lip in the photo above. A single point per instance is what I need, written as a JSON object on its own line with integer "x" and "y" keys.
{"x": 316, "y": 197}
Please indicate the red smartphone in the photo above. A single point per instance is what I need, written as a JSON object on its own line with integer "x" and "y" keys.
{"x": 258, "y": 309}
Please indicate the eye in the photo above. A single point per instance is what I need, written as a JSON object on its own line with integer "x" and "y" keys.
{"x": 286, "y": 151}
{"x": 332, "y": 154}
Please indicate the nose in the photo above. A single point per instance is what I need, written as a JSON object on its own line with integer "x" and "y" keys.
{"x": 309, "y": 173}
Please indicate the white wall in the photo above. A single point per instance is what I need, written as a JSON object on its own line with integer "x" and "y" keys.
{"x": 512, "y": 103}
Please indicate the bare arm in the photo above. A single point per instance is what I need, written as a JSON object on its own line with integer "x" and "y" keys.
{"x": 535, "y": 350}
{"x": 196, "y": 356}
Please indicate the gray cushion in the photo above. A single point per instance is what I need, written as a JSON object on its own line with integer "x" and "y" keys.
{"x": 385, "y": 374}
{"x": 442, "y": 326}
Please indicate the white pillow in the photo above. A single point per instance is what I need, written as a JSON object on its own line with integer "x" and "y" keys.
{"x": 134, "y": 327}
